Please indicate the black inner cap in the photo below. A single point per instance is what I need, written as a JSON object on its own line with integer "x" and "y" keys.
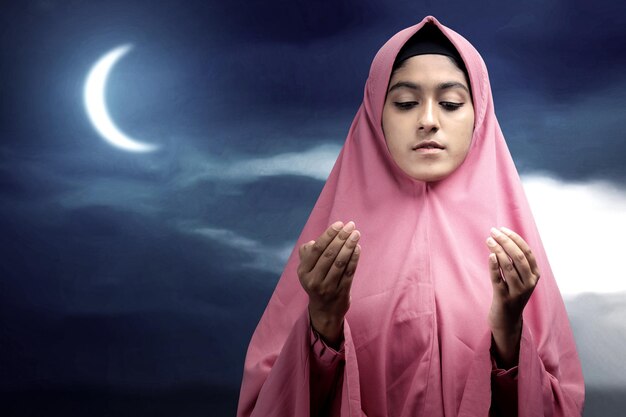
{"x": 429, "y": 40}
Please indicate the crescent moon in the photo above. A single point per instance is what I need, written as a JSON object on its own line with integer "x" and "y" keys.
{"x": 95, "y": 104}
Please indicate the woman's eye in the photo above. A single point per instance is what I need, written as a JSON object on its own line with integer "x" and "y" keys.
{"x": 451, "y": 106}
{"x": 406, "y": 105}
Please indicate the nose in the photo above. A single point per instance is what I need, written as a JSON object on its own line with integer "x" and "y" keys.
{"x": 428, "y": 119}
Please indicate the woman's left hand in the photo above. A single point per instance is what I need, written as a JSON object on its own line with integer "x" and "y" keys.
{"x": 512, "y": 288}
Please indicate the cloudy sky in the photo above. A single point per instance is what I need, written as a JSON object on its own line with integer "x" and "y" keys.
{"x": 131, "y": 282}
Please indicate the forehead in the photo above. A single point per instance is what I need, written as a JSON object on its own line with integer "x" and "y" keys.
{"x": 433, "y": 66}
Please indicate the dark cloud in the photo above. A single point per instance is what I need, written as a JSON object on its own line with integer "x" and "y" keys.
{"x": 191, "y": 399}
{"x": 123, "y": 300}
{"x": 575, "y": 138}
{"x": 567, "y": 50}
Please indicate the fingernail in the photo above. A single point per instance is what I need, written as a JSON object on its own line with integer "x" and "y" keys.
{"x": 355, "y": 236}
{"x": 491, "y": 242}
{"x": 337, "y": 226}
{"x": 495, "y": 232}
{"x": 349, "y": 227}
{"x": 505, "y": 230}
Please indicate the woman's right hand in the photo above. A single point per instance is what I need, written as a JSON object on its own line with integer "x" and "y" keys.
{"x": 326, "y": 269}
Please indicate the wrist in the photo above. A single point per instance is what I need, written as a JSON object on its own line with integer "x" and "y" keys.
{"x": 511, "y": 329}
{"x": 329, "y": 326}
{"x": 506, "y": 344}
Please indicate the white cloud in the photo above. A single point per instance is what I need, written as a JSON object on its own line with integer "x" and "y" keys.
{"x": 599, "y": 325}
{"x": 315, "y": 163}
{"x": 123, "y": 193}
{"x": 262, "y": 256}
{"x": 582, "y": 226}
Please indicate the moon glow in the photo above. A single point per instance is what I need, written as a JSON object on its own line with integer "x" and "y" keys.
{"x": 94, "y": 97}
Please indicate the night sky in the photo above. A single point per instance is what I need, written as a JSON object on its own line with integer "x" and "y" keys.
{"x": 131, "y": 283}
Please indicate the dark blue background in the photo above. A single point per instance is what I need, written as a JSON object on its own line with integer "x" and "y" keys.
{"x": 130, "y": 284}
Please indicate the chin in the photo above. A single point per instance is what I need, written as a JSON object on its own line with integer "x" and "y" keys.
{"x": 429, "y": 177}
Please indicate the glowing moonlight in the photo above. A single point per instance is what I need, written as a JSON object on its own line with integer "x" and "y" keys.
{"x": 96, "y": 106}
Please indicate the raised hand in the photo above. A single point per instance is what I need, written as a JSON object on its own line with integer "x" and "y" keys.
{"x": 512, "y": 289}
{"x": 327, "y": 267}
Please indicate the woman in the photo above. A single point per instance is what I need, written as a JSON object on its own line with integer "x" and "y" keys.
{"x": 446, "y": 315}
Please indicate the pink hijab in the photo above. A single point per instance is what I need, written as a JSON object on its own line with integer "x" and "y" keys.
{"x": 416, "y": 334}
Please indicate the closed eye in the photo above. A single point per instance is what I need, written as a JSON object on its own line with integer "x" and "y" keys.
{"x": 451, "y": 106}
{"x": 406, "y": 105}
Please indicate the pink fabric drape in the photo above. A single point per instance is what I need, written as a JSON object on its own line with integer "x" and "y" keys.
{"x": 417, "y": 341}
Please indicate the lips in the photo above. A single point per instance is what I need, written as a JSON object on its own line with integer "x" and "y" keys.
{"x": 428, "y": 144}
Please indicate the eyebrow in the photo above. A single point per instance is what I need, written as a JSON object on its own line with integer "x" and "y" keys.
{"x": 441, "y": 86}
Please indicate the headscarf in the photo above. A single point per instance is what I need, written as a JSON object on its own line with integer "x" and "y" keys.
{"x": 416, "y": 335}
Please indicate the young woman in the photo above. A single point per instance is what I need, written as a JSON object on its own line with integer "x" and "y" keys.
{"x": 432, "y": 307}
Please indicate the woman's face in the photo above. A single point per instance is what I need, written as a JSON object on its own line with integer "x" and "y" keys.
{"x": 428, "y": 99}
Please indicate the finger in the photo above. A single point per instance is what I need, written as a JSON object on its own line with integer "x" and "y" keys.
{"x": 348, "y": 274}
{"x": 312, "y": 252}
{"x": 515, "y": 253}
{"x": 330, "y": 253}
{"x": 525, "y": 248}
{"x": 508, "y": 270}
{"x": 499, "y": 285}
{"x": 302, "y": 249}
{"x": 335, "y": 273}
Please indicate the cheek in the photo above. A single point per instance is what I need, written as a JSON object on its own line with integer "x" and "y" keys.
{"x": 463, "y": 133}
{"x": 466, "y": 143}
{"x": 465, "y": 130}
{"x": 392, "y": 128}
